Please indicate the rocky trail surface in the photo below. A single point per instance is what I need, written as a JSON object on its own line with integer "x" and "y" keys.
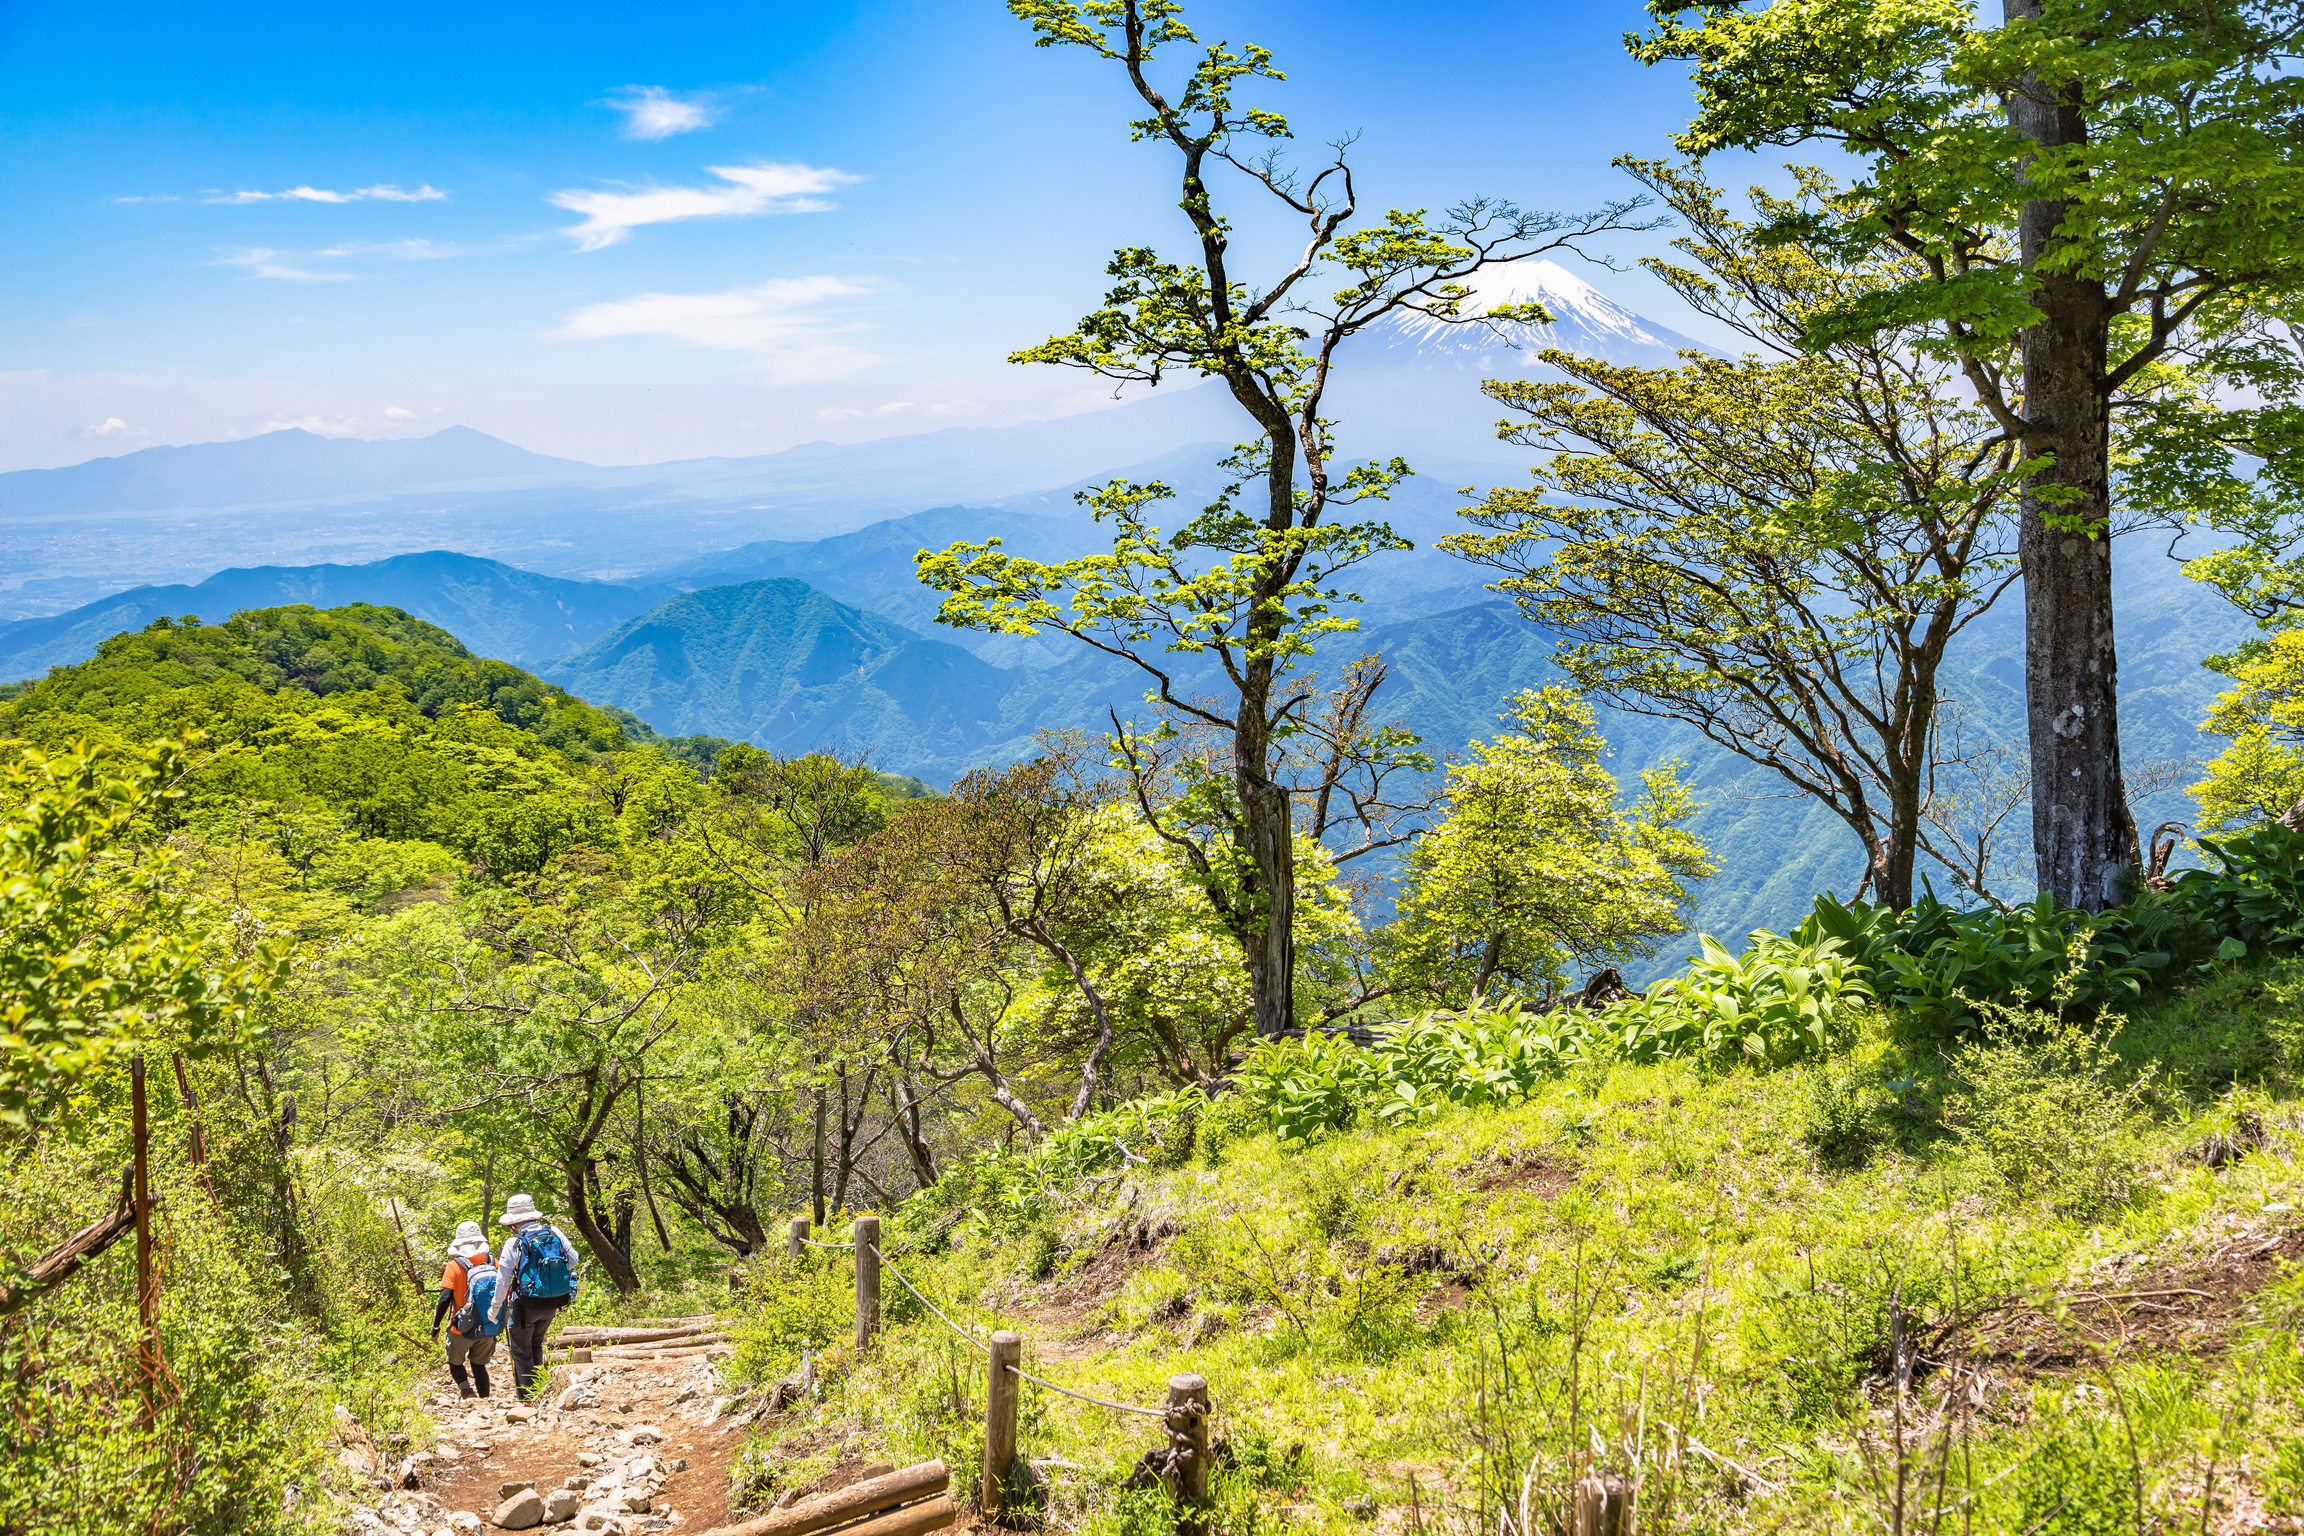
{"x": 629, "y": 1437}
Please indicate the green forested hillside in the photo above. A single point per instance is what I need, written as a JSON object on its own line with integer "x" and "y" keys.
{"x": 345, "y": 733}
{"x": 778, "y": 663}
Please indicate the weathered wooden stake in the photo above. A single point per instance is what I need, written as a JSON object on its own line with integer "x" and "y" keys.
{"x": 1001, "y": 1392}
{"x": 407, "y": 1254}
{"x": 1188, "y": 1438}
{"x": 799, "y": 1240}
{"x": 867, "y": 1279}
{"x": 1603, "y": 1506}
{"x": 147, "y": 1298}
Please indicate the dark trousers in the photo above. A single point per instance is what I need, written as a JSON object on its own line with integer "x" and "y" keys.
{"x": 524, "y": 1336}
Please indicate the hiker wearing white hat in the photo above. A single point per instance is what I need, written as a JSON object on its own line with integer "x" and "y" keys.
{"x": 536, "y": 1276}
{"x": 471, "y": 1338}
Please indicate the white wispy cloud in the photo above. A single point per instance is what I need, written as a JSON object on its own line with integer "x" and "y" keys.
{"x": 652, "y": 112}
{"x": 384, "y": 193}
{"x": 397, "y": 250}
{"x": 267, "y": 263}
{"x": 780, "y": 324}
{"x": 611, "y": 216}
{"x": 113, "y": 426}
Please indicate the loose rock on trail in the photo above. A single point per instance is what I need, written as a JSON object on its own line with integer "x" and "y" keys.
{"x": 623, "y": 1443}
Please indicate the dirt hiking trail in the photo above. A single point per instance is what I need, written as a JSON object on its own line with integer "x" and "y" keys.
{"x": 623, "y": 1443}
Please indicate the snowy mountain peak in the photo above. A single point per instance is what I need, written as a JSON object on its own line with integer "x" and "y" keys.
{"x": 1585, "y": 320}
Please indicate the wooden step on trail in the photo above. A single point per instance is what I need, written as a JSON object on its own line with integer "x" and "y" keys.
{"x": 908, "y": 1502}
{"x": 580, "y": 1336}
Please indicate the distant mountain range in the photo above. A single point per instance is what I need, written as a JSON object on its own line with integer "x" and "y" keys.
{"x": 779, "y": 662}
{"x": 496, "y": 609}
{"x": 168, "y": 516}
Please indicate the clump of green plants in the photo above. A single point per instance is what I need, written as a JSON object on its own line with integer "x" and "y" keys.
{"x": 788, "y": 1309}
{"x": 2051, "y": 1109}
{"x": 1933, "y": 961}
{"x": 1782, "y": 999}
{"x": 1844, "y": 1123}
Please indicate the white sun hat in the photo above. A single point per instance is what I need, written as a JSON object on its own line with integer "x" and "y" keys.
{"x": 519, "y": 1211}
{"x": 469, "y": 1240}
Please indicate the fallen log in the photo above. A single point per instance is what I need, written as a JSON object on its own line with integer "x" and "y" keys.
{"x": 63, "y": 1261}
{"x": 889, "y": 1501}
{"x": 609, "y": 1357}
{"x": 685, "y": 1341}
{"x": 626, "y": 1335}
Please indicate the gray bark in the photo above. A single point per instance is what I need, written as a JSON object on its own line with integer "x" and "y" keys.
{"x": 2083, "y": 839}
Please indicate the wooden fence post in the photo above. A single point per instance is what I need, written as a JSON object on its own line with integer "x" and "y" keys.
{"x": 147, "y": 1288}
{"x": 867, "y": 1279}
{"x": 1188, "y": 1438}
{"x": 1000, "y": 1394}
{"x": 1602, "y": 1506}
{"x": 797, "y": 1243}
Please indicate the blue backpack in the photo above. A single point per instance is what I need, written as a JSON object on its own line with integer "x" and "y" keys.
{"x": 471, "y": 1320}
{"x": 543, "y": 1264}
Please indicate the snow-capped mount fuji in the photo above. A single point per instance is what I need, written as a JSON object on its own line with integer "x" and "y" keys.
{"x": 1584, "y": 320}
{"x": 1410, "y": 384}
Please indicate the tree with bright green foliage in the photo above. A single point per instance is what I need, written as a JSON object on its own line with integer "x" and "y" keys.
{"x": 1779, "y": 549}
{"x": 2107, "y": 186}
{"x": 1538, "y": 865}
{"x": 2260, "y": 776}
{"x": 1251, "y": 581}
{"x": 102, "y": 949}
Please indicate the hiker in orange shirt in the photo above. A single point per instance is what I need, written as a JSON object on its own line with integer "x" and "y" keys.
{"x": 467, "y": 1287}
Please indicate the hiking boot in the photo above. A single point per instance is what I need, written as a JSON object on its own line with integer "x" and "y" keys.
{"x": 465, "y": 1392}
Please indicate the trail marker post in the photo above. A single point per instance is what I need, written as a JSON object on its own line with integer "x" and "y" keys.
{"x": 1001, "y": 1392}
{"x": 1188, "y": 1438}
{"x": 867, "y": 1279}
{"x": 798, "y": 1240}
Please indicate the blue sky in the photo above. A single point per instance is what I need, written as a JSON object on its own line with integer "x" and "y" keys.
{"x": 628, "y": 233}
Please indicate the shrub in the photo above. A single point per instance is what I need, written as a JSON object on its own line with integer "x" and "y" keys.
{"x": 2043, "y": 1107}
{"x": 1843, "y": 1124}
{"x": 1010, "y": 1190}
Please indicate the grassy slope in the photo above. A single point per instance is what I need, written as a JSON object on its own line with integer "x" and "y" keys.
{"x": 1417, "y": 1303}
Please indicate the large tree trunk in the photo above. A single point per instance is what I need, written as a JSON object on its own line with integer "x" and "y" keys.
{"x": 605, "y": 1252}
{"x": 2082, "y": 837}
{"x": 1268, "y": 823}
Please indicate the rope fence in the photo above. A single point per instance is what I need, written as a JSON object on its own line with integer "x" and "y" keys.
{"x": 1042, "y": 1381}
{"x": 965, "y": 1335}
{"x": 1181, "y": 1465}
{"x": 1017, "y": 1370}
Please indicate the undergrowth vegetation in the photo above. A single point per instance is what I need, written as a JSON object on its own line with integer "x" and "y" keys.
{"x": 1980, "y": 1277}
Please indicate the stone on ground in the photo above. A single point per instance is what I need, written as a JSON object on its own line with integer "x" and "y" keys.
{"x": 523, "y": 1510}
